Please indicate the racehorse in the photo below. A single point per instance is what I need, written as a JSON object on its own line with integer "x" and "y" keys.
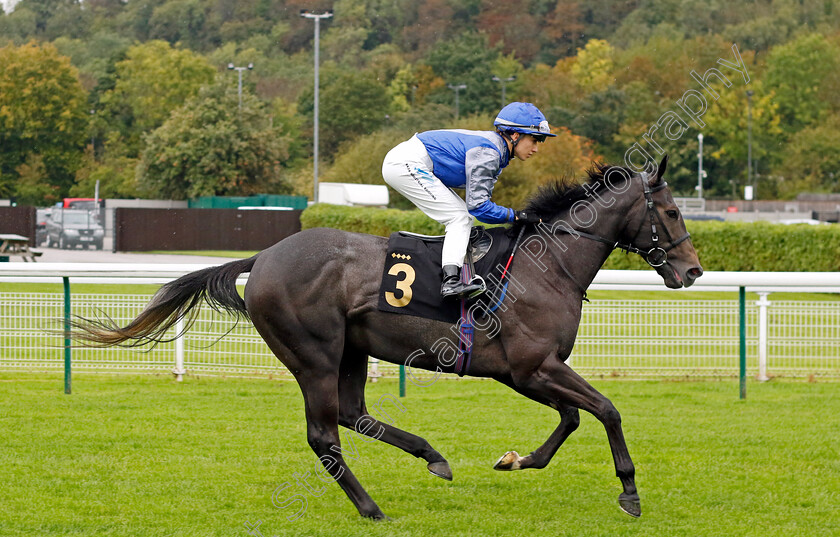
{"x": 312, "y": 299}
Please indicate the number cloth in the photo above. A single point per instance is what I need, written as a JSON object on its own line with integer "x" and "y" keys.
{"x": 412, "y": 276}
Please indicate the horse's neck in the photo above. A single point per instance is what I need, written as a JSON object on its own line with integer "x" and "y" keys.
{"x": 580, "y": 257}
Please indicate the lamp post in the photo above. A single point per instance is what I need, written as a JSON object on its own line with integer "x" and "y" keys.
{"x": 457, "y": 88}
{"x": 504, "y": 82}
{"x": 749, "y": 143}
{"x": 239, "y": 71}
{"x": 317, "y": 18}
{"x": 700, "y": 171}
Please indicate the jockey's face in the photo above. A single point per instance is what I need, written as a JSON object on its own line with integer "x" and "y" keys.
{"x": 526, "y": 146}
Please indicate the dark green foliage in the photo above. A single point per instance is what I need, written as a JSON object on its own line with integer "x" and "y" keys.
{"x": 211, "y": 146}
{"x": 467, "y": 59}
{"x": 732, "y": 246}
{"x": 380, "y": 222}
{"x": 351, "y": 104}
{"x": 758, "y": 246}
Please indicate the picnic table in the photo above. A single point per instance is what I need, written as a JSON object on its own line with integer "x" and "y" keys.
{"x": 12, "y": 245}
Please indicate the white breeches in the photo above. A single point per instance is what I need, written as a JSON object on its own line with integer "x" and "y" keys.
{"x": 408, "y": 170}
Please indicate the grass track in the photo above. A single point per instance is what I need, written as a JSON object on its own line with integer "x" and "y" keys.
{"x": 143, "y": 455}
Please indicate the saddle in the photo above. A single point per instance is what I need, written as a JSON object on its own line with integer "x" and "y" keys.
{"x": 480, "y": 241}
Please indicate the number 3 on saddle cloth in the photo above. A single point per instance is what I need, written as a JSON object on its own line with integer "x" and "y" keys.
{"x": 412, "y": 277}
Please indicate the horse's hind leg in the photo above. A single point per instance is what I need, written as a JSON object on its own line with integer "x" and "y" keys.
{"x": 540, "y": 457}
{"x": 353, "y": 414}
{"x": 321, "y": 399}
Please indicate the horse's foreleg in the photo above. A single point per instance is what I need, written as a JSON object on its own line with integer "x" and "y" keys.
{"x": 321, "y": 398}
{"x": 557, "y": 382}
{"x": 353, "y": 414}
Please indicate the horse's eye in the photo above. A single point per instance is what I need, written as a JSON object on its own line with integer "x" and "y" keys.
{"x": 672, "y": 214}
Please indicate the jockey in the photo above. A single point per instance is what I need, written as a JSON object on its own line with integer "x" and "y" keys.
{"x": 426, "y": 167}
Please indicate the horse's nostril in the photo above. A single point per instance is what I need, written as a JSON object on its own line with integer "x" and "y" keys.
{"x": 695, "y": 273}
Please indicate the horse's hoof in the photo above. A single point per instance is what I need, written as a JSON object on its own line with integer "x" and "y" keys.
{"x": 378, "y": 516}
{"x": 509, "y": 461}
{"x": 440, "y": 469}
{"x": 630, "y": 505}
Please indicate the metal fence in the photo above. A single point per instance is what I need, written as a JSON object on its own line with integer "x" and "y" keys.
{"x": 617, "y": 338}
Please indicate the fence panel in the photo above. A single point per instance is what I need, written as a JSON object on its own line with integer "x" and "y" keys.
{"x": 617, "y": 338}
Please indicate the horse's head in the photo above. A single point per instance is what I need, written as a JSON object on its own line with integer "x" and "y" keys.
{"x": 660, "y": 236}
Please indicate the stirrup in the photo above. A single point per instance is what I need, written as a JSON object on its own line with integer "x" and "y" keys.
{"x": 477, "y": 280}
{"x": 465, "y": 292}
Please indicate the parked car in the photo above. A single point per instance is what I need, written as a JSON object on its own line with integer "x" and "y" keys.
{"x": 68, "y": 228}
{"x": 41, "y": 217}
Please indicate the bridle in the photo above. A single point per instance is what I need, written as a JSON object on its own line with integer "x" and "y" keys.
{"x": 657, "y": 254}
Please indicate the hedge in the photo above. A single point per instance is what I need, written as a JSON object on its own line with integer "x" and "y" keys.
{"x": 733, "y": 246}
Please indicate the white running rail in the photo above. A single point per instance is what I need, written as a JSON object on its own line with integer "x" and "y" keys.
{"x": 672, "y": 335}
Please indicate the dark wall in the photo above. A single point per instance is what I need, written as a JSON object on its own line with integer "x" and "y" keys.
{"x": 19, "y": 221}
{"x": 139, "y": 230}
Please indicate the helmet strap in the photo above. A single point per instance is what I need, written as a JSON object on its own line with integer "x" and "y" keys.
{"x": 509, "y": 137}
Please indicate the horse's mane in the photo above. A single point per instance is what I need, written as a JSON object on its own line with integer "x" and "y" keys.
{"x": 557, "y": 196}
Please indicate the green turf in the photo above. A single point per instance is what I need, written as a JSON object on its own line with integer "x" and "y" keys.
{"x": 146, "y": 456}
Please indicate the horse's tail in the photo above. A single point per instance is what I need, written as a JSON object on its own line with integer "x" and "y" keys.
{"x": 174, "y": 301}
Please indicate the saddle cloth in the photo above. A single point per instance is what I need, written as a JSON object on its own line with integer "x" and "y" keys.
{"x": 412, "y": 275}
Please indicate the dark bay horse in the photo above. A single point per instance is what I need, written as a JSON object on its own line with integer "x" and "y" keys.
{"x": 313, "y": 298}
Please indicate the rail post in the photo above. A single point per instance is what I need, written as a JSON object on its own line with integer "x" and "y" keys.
{"x": 179, "y": 351}
{"x": 762, "y": 336}
{"x": 742, "y": 315}
{"x": 67, "y": 348}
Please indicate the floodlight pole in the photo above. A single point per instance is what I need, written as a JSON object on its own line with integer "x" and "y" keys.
{"x": 700, "y": 166}
{"x": 317, "y": 18}
{"x": 504, "y": 82}
{"x": 239, "y": 70}
{"x": 457, "y": 88}
{"x": 749, "y": 144}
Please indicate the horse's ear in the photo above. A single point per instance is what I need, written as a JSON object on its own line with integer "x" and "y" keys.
{"x": 660, "y": 171}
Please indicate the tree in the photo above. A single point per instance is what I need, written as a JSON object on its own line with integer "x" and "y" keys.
{"x": 431, "y": 19}
{"x": 183, "y": 21}
{"x": 594, "y": 64}
{"x": 33, "y": 187}
{"x": 512, "y": 29}
{"x": 152, "y": 81}
{"x": 727, "y": 128}
{"x": 563, "y": 31}
{"x": 212, "y": 147}
{"x": 114, "y": 171}
{"x": 42, "y": 113}
{"x": 467, "y": 59}
{"x": 811, "y": 161}
{"x": 351, "y": 104}
{"x": 44, "y": 10}
{"x": 18, "y": 26}
{"x": 797, "y": 73}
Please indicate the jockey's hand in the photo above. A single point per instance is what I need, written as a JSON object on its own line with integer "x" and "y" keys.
{"x": 528, "y": 217}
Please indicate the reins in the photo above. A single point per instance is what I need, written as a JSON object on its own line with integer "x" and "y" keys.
{"x": 655, "y": 256}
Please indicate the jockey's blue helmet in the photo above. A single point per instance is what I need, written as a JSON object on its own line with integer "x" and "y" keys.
{"x": 524, "y": 118}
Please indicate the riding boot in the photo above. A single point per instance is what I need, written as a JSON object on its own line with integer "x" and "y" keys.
{"x": 453, "y": 286}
